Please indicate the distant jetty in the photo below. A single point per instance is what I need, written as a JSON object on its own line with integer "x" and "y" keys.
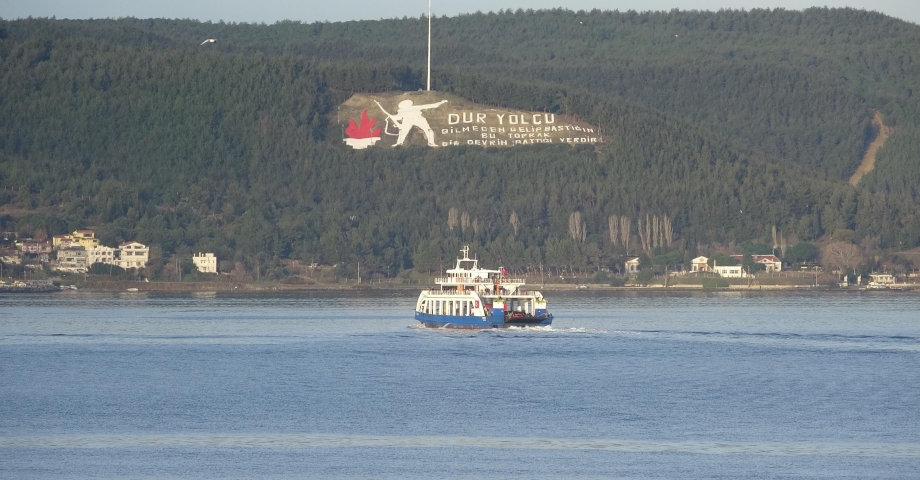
{"x": 30, "y": 288}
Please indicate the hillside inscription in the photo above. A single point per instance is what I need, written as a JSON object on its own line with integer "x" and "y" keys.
{"x": 439, "y": 120}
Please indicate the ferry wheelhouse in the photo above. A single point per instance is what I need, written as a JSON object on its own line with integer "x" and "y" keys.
{"x": 473, "y": 297}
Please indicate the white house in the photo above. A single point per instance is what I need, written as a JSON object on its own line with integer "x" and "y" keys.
{"x": 733, "y": 271}
{"x": 132, "y": 255}
{"x": 699, "y": 264}
{"x": 206, "y": 262}
{"x": 632, "y": 265}
{"x": 100, "y": 254}
{"x": 881, "y": 280}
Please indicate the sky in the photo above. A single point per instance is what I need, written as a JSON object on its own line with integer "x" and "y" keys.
{"x": 271, "y": 11}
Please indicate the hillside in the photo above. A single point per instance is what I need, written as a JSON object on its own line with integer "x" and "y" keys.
{"x": 728, "y": 123}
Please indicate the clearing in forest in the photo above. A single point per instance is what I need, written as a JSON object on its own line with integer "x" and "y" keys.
{"x": 868, "y": 161}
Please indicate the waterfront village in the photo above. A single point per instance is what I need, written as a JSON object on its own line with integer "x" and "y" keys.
{"x": 768, "y": 264}
{"x": 79, "y": 251}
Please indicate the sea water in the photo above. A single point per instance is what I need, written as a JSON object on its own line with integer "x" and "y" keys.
{"x": 346, "y": 385}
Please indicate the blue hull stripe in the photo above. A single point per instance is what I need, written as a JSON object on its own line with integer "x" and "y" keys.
{"x": 454, "y": 321}
{"x": 470, "y": 321}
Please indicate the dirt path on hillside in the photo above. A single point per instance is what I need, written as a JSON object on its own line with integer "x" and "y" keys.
{"x": 868, "y": 161}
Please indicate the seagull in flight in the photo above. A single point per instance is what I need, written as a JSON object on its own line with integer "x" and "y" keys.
{"x": 210, "y": 40}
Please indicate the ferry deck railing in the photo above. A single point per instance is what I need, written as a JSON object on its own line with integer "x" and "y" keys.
{"x": 475, "y": 281}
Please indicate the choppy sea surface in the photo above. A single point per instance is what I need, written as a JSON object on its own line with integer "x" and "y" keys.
{"x": 345, "y": 385}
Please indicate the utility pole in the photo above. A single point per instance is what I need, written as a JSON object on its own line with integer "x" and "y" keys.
{"x": 428, "y": 86}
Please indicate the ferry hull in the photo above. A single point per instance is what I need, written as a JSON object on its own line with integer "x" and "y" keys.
{"x": 542, "y": 321}
{"x": 477, "y": 322}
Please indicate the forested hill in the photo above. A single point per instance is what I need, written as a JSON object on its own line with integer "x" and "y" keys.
{"x": 728, "y": 124}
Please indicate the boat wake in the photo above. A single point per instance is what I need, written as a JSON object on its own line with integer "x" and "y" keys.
{"x": 513, "y": 330}
{"x": 819, "y": 341}
{"x": 812, "y": 341}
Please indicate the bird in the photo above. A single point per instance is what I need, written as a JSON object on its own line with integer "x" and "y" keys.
{"x": 210, "y": 40}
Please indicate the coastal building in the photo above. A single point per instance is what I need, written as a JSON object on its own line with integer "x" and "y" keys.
{"x": 206, "y": 262}
{"x": 84, "y": 238}
{"x": 71, "y": 259}
{"x": 733, "y": 271}
{"x": 632, "y": 265}
{"x": 132, "y": 255}
{"x": 770, "y": 262}
{"x": 881, "y": 280}
{"x": 100, "y": 254}
{"x": 699, "y": 264}
{"x": 40, "y": 251}
{"x": 62, "y": 241}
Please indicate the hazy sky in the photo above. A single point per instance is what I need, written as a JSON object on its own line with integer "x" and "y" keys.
{"x": 270, "y": 11}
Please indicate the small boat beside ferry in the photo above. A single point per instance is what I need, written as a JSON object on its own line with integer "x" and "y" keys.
{"x": 474, "y": 297}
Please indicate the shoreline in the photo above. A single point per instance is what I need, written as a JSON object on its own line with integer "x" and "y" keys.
{"x": 202, "y": 287}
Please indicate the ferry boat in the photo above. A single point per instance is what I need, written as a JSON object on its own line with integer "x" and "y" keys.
{"x": 473, "y": 297}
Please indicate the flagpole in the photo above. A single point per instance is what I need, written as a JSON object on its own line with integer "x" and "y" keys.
{"x": 428, "y": 86}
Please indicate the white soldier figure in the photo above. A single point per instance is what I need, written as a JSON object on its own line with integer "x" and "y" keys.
{"x": 408, "y": 116}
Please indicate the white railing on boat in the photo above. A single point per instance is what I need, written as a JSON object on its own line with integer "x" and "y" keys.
{"x": 464, "y": 281}
{"x": 476, "y": 281}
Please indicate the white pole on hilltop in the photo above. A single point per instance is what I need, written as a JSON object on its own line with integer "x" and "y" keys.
{"x": 428, "y": 86}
